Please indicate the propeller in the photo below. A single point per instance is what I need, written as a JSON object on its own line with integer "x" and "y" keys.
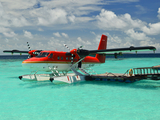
{"x": 29, "y": 48}
{"x": 70, "y": 54}
{"x": 80, "y": 47}
{"x": 32, "y": 53}
{"x": 67, "y": 47}
{"x": 18, "y": 51}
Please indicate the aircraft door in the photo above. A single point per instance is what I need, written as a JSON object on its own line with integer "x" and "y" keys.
{"x": 80, "y": 64}
{"x": 50, "y": 57}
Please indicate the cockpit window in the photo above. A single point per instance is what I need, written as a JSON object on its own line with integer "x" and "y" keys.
{"x": 43, "y": 54}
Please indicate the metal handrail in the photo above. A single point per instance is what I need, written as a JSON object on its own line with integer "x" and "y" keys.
{"x": 146, "y": 71}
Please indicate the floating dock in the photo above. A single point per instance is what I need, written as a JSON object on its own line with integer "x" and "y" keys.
{"x": 112, "y": 77}
{"x": 131, "y": 75}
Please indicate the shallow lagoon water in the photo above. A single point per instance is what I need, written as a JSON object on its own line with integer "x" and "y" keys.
{"x": 87, "y": 100}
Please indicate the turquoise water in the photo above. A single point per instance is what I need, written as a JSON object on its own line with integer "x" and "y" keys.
{"x": 79, "y": 101}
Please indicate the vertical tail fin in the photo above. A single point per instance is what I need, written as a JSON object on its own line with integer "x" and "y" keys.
{"x": 102, "y": 46}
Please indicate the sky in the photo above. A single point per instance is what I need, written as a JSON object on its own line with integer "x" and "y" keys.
{"x": 49, "y": 24}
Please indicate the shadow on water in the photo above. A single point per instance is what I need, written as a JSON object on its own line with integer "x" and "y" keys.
{"x": 35, "y": 84}
{"x": 38, "y": 84}
{"x": 143, "y": 84}
{"x": 116, "y": 59}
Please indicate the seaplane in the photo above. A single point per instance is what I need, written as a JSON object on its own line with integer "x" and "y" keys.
{"x": 59, "y": 63}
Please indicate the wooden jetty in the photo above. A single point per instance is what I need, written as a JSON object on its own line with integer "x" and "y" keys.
{"x": 131, "y": 75}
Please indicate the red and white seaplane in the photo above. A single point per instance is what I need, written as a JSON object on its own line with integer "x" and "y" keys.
{"x": 59, "y": 63}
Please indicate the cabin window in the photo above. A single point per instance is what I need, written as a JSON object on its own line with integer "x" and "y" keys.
{"x": 51, "y": 55}
{"x": 58, "y": 57}
{"x": 66, "y": 58}
{"x": 61, "y": 58}
{"x": 43, "y": 54}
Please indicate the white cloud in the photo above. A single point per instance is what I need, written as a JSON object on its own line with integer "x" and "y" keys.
{"x": 108, "y": 20}
{"x": 141, "y": 9}
{"x": 150, "y": 43}
{"x": 4, "y": 29}
{"x": 136, "y": 30}
{"x": 75, "y": 8}
{"x": 19, "y": 22}
{"x": 40, "y": 29}
{"x": 122, "y": 1}
{"x": 50, "y": 16}
{"x": 158, "y": 13}
{"x": 136, "y": 35}
{"x": 83, "y": 19}
{"x": 9, "y": 20}
{"x": 92, "y": 32}
{"x": 79, "y": 39}
{"x": 83, "y": 42}
{"x": 9, "y": 34}
{"x": 57, "y": 34}
{"x": 25, "y": 13}
{"x": 28, "y": 34}
{"x": 18, "y": 4}
{"x": 78, "y": 7}
{"x": 115, "y": 39}
{"x": 20, "y": 13}
{"x": 65, "y": 35}
{"x": 152, "y": 29}
{"x": 72, "y": 14}
{"x": 72, "y": 18}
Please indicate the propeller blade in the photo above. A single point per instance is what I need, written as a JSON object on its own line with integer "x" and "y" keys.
{"x": 29, "y": 48}
{"x": 67, "y": 47}
{"x": 80, "y": 47}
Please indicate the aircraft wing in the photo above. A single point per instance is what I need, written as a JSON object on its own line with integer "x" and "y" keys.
{"x": 122, "y": 50}
{"x": 15, "y": 51}
{"x": 83, "y": 53}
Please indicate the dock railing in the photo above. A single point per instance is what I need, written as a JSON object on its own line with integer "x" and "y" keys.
{"x": 146, "y": 71}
